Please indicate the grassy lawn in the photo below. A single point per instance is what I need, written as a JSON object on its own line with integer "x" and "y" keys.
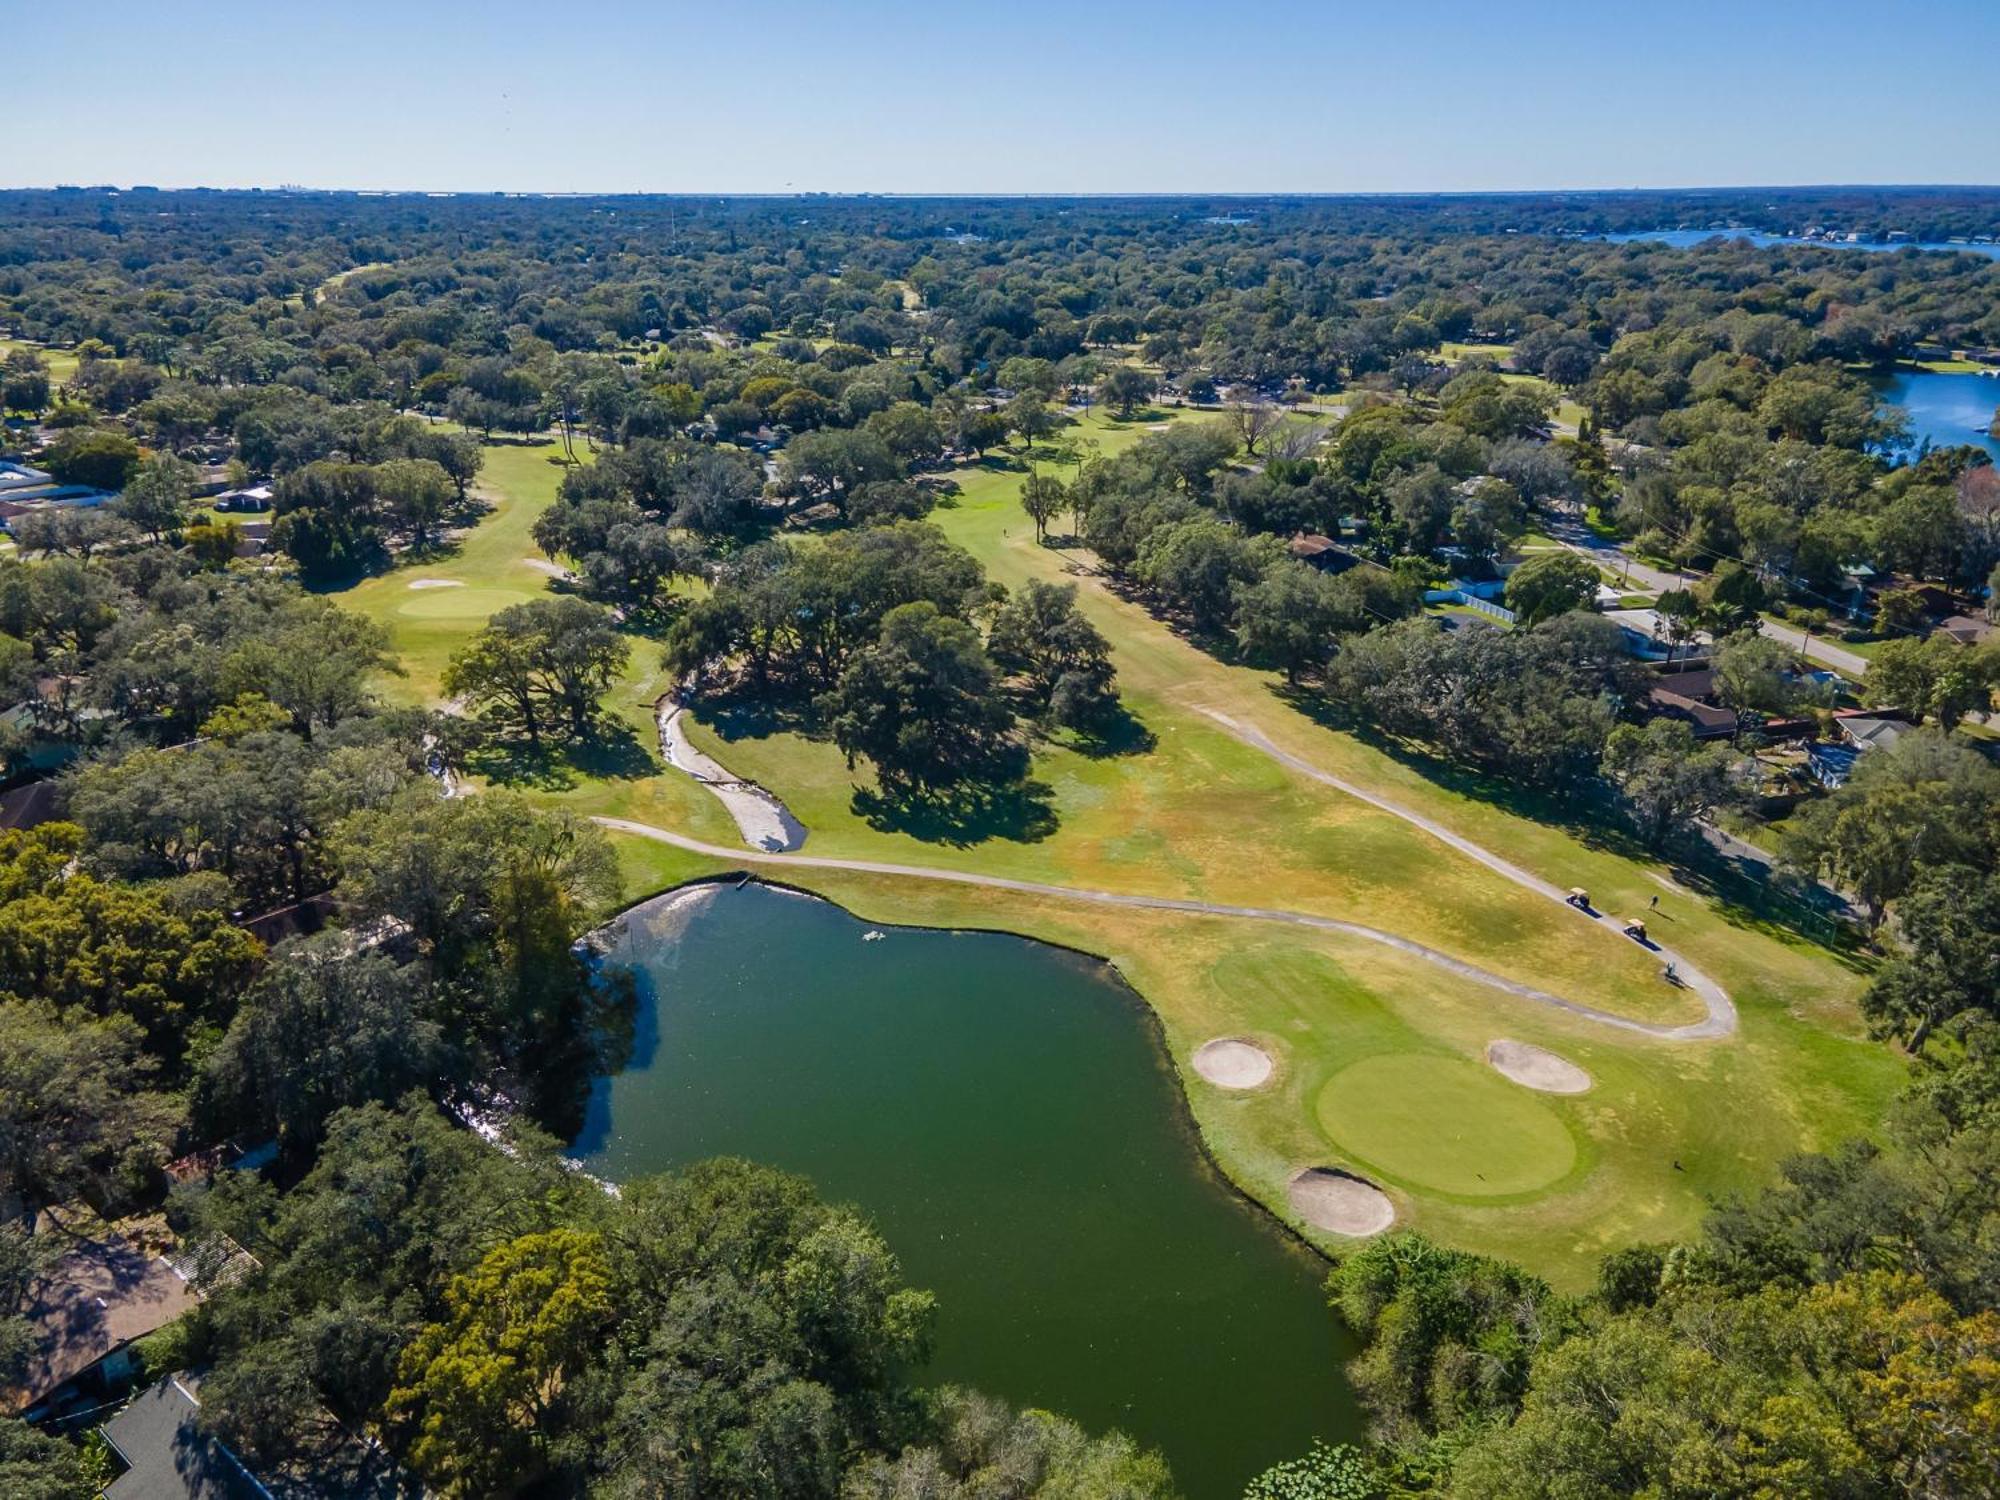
{"x": 1379, "y": 1054}
{"x": 61, "y": 362}
{"x": 333, "y": 282}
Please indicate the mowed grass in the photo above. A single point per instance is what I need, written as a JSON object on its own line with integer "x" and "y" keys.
{"x": 1470, "y": 1158}
{"x": 1441, "y": 1123}
{"x": 62, "y": 363}
{"x": 491, "y": 566}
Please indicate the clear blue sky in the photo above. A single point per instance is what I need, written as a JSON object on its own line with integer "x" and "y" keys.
{"x": 999, "y": 96}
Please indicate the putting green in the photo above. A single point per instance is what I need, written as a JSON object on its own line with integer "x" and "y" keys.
{"x": 459, "y": 604}
{"x": 1445, "y": 1124}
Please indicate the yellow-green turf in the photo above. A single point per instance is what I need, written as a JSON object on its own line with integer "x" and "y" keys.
{"x": 1434, "y": 1122}
{"x": 1666, "y": 1127}
{"x": 61, "y": 362}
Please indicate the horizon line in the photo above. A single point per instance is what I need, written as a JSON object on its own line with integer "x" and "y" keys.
{"x": 1247, "y": 195}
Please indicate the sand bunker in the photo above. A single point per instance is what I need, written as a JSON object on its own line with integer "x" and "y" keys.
{"x": 544, "y": 566}
{"x": 437, "y": 583}
{"x": 1230, "y": 1063}
{"x": 1533, "y": 1068}
{"x": 1340, "y": 1203}
{"x": 764, "y": 821}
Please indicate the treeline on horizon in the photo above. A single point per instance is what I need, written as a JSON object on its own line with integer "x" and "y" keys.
{"x": 721, "y": 1332}
{"x": 1872, "y": 211}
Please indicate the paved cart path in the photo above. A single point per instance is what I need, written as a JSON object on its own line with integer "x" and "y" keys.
{"x": 1718, "y": 1020}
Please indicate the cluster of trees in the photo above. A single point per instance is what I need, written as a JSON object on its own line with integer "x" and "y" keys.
{"x": 639, "y": 517}
{"x": 1915, "y": 832}
{"x": 867, "y": 346}
{"x": 1534, "y": 705}
{"x": 507, "y": 1326}
{"x": 875, "y": 635}
{"x": 140, "y": 1020}
{"x": 1788, "y": 474}
{"x": 480, "y": 299}
{"x": 337, "y": 518}
{"x": 151, "y": 644}
{"x": 540, "y": 668}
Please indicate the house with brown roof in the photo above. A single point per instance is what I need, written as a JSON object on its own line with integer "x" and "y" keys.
{"x": 1322, "y": 552}
{"x": 86, "y": 1311}
{"x": 1688, "y": 694}
{"x": 1967, "y": 630}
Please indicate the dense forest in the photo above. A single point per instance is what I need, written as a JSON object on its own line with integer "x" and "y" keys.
{"x": 1419, "y": 382}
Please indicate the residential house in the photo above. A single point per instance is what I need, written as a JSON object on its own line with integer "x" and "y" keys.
{"x": 1689, "y": 695}
{"x": 825, "y": 513}
{"x": 167, "y": 1455}
{"x": 1322, "y": 552}
{"x": 1967, "y": 630}
{"x": 24, "y": 490}
{"x": 85, "y": 1312}
{"x": 29, "y": 805}
{"x": 253, "y": 500}
{"x": 1833, "y": 762}
{"x": 1872, "y": 731}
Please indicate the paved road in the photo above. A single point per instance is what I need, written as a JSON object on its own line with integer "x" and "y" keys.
{"x": 1718, "y": 1021}
{"x": 1845, "y": 662}
{"x": 1587, "y": 544}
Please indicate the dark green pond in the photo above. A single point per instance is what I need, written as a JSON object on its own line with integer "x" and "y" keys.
{"x": 1001, "y": 1109}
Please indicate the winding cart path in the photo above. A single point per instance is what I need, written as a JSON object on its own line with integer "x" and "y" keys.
{"x": 1719, "y": 1013}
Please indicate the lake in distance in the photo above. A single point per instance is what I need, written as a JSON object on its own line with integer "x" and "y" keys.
{"x": 1683, "y": 238}
{"x": 1948, "y": 408}
{"x": 1001, "y": 1110}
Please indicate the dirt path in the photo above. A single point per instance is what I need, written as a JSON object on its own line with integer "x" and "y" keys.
{"x": 1720, "y": 1019}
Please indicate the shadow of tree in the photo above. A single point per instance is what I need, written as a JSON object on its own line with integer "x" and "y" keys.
{"x": 612, "y": 752}
{"x": 970, "y": 813}
{"x": 1119, "y": 732}
{"x": 523, "y": 766}
{"x": 1140, "y": 416}
{"x": 745, "y": 714}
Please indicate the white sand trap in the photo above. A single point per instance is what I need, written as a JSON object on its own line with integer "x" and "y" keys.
{"x": 1340, "y": 1203}
{"x": 1533, "y": 1068}
{"x": 1230, "y": 1063}
{"x": 764, "y": 821}
{"x": 437, "y": 583}
{"x": 543, "y": 565}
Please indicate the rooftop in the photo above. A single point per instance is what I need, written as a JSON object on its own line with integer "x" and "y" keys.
{"x": 92, "y": 1302}
{"x": 169, "y": 1457}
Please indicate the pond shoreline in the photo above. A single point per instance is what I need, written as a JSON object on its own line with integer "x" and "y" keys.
{"x": 1030, "y": 1153}
{"x": 1163, "y": 1054}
